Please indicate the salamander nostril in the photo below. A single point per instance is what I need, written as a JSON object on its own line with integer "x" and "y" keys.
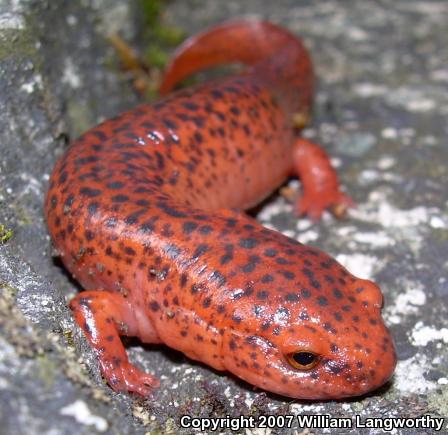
{"x": 369, "y": 293}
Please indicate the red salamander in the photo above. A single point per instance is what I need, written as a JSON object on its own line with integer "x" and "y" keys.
{"x": 146, "y": 212}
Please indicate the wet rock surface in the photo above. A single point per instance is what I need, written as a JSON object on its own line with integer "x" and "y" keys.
{"x": 380, "y": 111}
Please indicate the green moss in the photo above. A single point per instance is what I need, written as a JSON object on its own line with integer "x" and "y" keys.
{"x": 438, "y": 401}
{"x": 69, "y": 337}
{"x": 151, "y": 10}
{"x": 158, "y": 56}
{"x": 11, "y": 291}
{"x": 5, "y": 234}
{"x": 16, "y": 42}
{"x": 159, "y": 38}
{"x": 169, "y": 35}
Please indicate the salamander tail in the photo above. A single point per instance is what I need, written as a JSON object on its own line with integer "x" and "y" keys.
{"x": 250, "y": 42}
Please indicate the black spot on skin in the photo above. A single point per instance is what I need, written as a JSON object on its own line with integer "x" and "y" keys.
{"x": 134, "y": 217}
{"x": 265, "y": 325}
{"x": 216, "y": 94}
{"x": 288, "y": 274}
{"x": 63, "y": 177}
{"x": 338, "y": 316}
{"x": 85, "y": 160}
{"x": 92, "y": 208}
{"x": 231, "y": 222}
{"x": 267, "y": 278}
{"x": 270, "y": 252}
{"x": 207, "y": 302}
{"x": 315, "y": 283}
{"x": 198, "y": 137}
{"x": 195, "y": 288}
{"x": 183, "y": 280}
{"x": 206, "y": 229}
{"x": 305, "y": 293}
{"x": 143, "y": 202}
{"x": 328, "y": 327}
{"x": 154, "y": 305}
{"x": 248, "y": 268}
{"x": 200, "y": 250}
{"x": 334, "y": 368}
{"x": 190, "y": 106}
{"x": 162, "y": 205}
{"x": 220, "y": 309}
{"x": 115, "y": 185}
{"x": 248, "y": 243}
{"x": 189, "y": 226}
{"x": 68, "y": 204}
{"x": 236, "y": 318}
{"x": 281, "y": 260}
{"x": 235, "y": 110}
{"x": 337, "y": 293}
{"x": 263, "y": 294}
{"x": 160, "y": 160}
{"x": 304, "y": 316}
{"x": 334, "y": 348}
{"x": 322, "y": 301}
{"x": 276, "y": 331}
{"x": 120, "y": 198}
{"x": 227, "y": 258}
{"x": 283, "y": 312}
{"x": 292, "y": 297}
{"x": 198, "y": 121}
{"x": 129, "y": 251}
{"x": 248, "y": 291}
{"x": 89, "y": 235}
{"x": 169, "y": 124}
{"x": 232, "y": 345}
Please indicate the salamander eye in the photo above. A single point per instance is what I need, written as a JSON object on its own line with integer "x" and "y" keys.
{"x": 302, "y": 360}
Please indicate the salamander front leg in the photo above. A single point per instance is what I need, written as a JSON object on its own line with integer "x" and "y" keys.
{"x": 104, "y": 316}
{"x": 320, "y": 182}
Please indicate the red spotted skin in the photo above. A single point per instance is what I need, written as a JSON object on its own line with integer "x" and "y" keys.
{"x": 143, "y": 210}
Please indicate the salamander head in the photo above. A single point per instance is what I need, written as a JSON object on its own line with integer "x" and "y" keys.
{"x": 318, "y": 337}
